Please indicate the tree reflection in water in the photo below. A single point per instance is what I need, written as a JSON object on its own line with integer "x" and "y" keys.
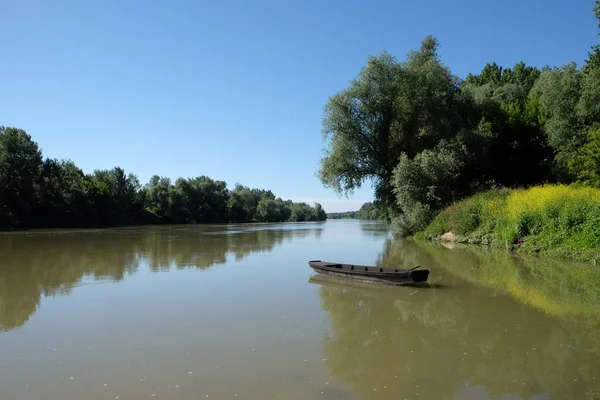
{"x": 52, "y": 263}
{"x": 467, "y": 339}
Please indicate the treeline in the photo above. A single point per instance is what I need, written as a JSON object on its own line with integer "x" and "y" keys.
{"x": 426, "y": 138}
{"x": 48, "y": 193}
{"x": 368, "y": 211}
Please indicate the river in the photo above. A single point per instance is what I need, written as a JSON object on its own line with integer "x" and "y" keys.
{"x": 234, "y": 312}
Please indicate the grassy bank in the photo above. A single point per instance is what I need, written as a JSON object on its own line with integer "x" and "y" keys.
{"x": 557, "y": 220}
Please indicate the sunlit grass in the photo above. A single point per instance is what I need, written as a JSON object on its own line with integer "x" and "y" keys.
{"x": 555, "y": 219}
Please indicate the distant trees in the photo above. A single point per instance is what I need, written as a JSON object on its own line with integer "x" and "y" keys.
{"x": 426, "y": 138}
{"x": 243, "y": 202}
{"x": 272, "y": 210}
{"x": 38, "y": 193}
{"x": 114, "y": 197}
{"x": 63, "y": 195}
{"x": 368, "y": 210}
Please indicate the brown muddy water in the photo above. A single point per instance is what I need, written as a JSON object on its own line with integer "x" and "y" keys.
{"x": 234, "y": 312}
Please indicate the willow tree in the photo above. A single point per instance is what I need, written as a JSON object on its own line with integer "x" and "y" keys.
{"x": 391, "y": 108}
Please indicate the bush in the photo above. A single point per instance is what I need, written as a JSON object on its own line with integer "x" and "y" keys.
{"x": 559, "y": 219}
{"x": 414, "y": 219}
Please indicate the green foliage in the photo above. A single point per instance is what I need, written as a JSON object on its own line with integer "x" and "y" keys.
{"x": 243, "y": 203}
{"x": 586, "y": 164}
{"x": 517, "y": 152}
{"x": 588, "y": 108}
{"x": 36, "y": 193}
{"x": 429, "y": 178}
{"x": 319, "y": 213}
{"x": 369, "y": 211}
{"x": 301, "y": 212}
{"x": 358, "y": 122}
{"x": 389, "y": 109}
{"x": 413, "y": 219}
{"x": 559, "y": 91}
{"x": 423, "y": 185}
{"x": 204, "y": 200}
{"x": 273, "y": 210}
{"x": 61, "y": 197}
{"x": 159, "y": 198}
{"x": 426, "y": 139}
{"x": 20, "y": 163}
{"x": 554, "y": 219}
{"x": 114, "y": 196}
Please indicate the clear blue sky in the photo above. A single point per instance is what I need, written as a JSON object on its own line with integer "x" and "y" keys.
{"x": 235, "y": 89}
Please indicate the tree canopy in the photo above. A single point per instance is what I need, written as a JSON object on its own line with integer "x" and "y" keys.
{"x": 391, "y": 108}
{"x": 369, "y": 211}
{"x": 49, "y": 193}
{"x": 425, "y": 138}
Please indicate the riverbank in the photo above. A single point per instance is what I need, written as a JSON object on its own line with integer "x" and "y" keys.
{"x": 557, "y": 220}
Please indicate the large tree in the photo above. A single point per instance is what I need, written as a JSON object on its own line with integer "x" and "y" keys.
{"x": 389, "y": 109}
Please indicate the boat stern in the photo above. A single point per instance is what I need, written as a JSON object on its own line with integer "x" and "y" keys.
{"x": 420, "y": 275}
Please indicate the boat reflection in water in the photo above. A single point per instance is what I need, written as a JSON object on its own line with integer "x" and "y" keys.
{"x": 456, "y": 340}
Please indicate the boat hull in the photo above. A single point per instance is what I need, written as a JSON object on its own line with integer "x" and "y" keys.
{"x": 385, "y": 276}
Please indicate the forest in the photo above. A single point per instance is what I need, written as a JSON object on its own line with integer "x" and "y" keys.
{"x": 425, "y": 138}
{"x": 49, "y": 193}
{"x": 368, "y": 211}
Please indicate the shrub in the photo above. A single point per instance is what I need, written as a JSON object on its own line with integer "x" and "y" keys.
{"x": 414, "y": 219}
{"x": 553, "y": 218}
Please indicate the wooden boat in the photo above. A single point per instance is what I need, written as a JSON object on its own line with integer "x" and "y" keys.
{"x": 388, "y": 276}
